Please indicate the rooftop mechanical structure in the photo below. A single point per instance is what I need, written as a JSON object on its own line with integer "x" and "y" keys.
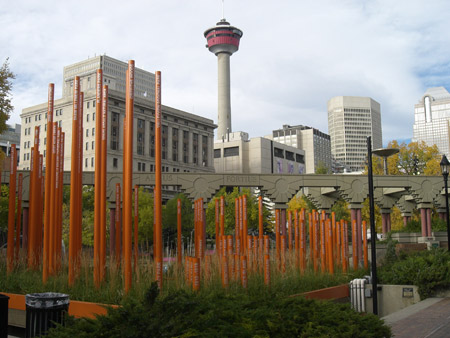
{"x": 223, "y": 40}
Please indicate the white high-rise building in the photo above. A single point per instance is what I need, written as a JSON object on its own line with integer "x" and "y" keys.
{"x": 432, "y": 119}
{"x": 351, "y": 119}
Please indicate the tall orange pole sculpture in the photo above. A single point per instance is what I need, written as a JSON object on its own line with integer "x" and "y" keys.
{"x": 19, "y": 216}
{"x": 60, "y": 198}
{"x": 179, "y": 249}
{"x": 48, "y": 259}
{"x": 245, "y": 224}
{"x": 97, "y": 176}
{"x": 290, "y": 231}
{"x": 48, "y": 173}
{"x": 260, "y": 224}
{"x": 128, "y": 176}
{"x": 158, "y": 184}
{"x": 217, "y": 221}
{"x": 104, "y": 117}
{"x": 34, "y": 203}
{"x": 118, "y": 226}
{"x": 11, "y": 208}
{"x": 74, "y": 208}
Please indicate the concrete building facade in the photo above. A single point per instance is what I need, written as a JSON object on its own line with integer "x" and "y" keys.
{"x": 316, "y": 145}
{"x": 187, "y": 139}
{"x": 10, "y": 136}
{"x": 351, "y": 119}
{"x": 259, "y": 155}
{"x": 432, "y": 119}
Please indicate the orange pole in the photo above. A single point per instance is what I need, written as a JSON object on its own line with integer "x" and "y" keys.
{"x": 241, "y": 226}
{"x": 80, "y": 183}
{"x": 73, "y": 180}
{"x": 196, "y": 249}
{"x": 260, "y": 224}
{"x": 57, "y": 203}
{"x": 244, "y": 271}
{"x": 179, "y": 249}
{"x": 98, "y": 176}
{"x": 266, "y": 245}
{"x": 136, "y": 226}
{"x": 296, "y": 238}
{"x": 222, "y": 219}
{"x": 60, "y": 197}
{"x": 245, "y": 224}
{"x": 48, "y": 175}
{"x": 196, "y": 274}
{"x": 19, "y": 218}
{"x": 127, "y": 178}
{"x": 225, "y": 277}
{"x": 366, "y": 257}
{"x": 158, "y": 182}
{"x": 235, "y": 267}
{"x": 323, "y": 262}
{"x": 290, "y": 230}
{"x": 49, "y": 229}
{"x": 283, "y": 253}
{"x": 104, "y": 118}
{"x": 338, "y": 243}
{"x": 311, "y": 237}
{"x": 40, "y": 203}
{"x": 11, "y": 208}
{"x": 333, "y": 232}
{"x": 34, "y": 203}
{"x": 302, "y": 242}
{"x": 329, "y": 228}
{"x": 202, "y": 229}
{"x": 217, "y": 221}
{"x": 237, "y": 234}
{"x": 230, "y": 245}
{"x": 344, "y": 246}
{"x": 267, "y": 269}
{"x": 118, "y": 227}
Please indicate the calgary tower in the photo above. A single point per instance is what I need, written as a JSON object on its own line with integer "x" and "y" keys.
{"x": 223, "y": 40}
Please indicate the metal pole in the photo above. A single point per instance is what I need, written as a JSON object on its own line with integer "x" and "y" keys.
{"x": 446, "y": 208}
{"x": 373, "y": 233}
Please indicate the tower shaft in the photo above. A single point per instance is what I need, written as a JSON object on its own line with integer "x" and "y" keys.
{"x": 224, "y": 96}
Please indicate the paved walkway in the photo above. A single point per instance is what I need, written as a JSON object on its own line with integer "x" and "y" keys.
{"x": 429, "y": 318}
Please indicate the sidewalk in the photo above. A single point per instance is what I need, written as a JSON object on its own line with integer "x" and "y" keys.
{"x": 429, "y": 318}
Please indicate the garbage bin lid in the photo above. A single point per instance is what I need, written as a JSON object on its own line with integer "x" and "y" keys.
{"x": 4, "y": 296}
{"x": 46, "y": 299}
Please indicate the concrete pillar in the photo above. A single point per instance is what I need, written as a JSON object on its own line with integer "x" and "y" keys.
{"x": 147, "y": 138}
{"x": 191, "y": 148}
{"x": 180, "y": 145}
{"x": 224, "y": 97}
{"x": 169, "y": 143}
{"x": 423, "y": 219}
{"x": 200, "y": 150}
{"x": 428, "y": 222}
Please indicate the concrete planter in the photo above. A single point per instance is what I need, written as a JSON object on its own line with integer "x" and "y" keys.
{"x": 406, "y": 237}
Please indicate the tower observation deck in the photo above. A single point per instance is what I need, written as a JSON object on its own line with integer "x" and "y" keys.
{"x": 223, "y": 41}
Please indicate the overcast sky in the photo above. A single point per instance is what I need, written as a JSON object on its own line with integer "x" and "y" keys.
{"x": 294, "y": 55}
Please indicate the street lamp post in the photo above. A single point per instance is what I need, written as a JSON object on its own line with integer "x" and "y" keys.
{"x": 385, "y": 153}
{"x": 445, "y": 167}
{"x": 373, "y": 234}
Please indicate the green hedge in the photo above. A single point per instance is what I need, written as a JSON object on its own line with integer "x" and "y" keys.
{"x": 221, "y": 314}
{"x": 429, "y": 270}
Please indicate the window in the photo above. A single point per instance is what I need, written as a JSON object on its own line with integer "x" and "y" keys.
{"x": 299, "y": 158}
{"x": 87, "y": 117}
{"x": 93, "y": 115}
{"x": 60, "y": 124}
{"x": 231, "y": 151}
{"x": 85, "y": 162}
{"x": 93, "y": 145}
{"x": 87, "y": 132}
{"x": 87, "y": 145}
{"x": 290, "y": 156}
{"x": 87, "y": 105}
{"x": 92, "y": 162}
{"x": 115, "y": 162}
{"x": 93, "y": 131}
{"x": 277, "y": 152}
{"x": 217, "y": 153}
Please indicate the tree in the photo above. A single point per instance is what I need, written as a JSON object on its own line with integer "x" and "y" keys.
{"x": 252, "y": 212}
{"x": 169, "y": 219}
{"x": 322, "y": 168}
{"x": 415, "y": 158}
{"x": 6, "y": 107}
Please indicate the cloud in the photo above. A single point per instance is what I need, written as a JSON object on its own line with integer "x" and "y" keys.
{"x": 294, "y": 55}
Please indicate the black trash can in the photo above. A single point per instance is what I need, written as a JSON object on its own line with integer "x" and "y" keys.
{"x": 44, "y": 310}
{"x": 4, "y": 300}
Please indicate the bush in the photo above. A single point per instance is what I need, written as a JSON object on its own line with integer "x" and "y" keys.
{"x": 219, "y": 313}
{"x": 429, "y": 270}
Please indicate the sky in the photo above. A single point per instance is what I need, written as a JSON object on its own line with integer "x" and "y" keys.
{"x": 294, "y": 54}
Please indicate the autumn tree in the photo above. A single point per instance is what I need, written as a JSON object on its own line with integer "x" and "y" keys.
{"x": 6, "y": 107}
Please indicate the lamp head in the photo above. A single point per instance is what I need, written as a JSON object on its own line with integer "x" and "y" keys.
{"x": 445, "y": 166}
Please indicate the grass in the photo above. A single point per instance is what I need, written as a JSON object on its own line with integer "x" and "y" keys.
{"x": 23, "y": 281}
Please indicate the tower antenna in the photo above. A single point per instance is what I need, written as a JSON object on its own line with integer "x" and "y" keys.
{"x": 223, "y": 9}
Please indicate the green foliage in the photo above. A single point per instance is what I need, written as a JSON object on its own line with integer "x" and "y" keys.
{"x": 169, "y": 219}
{"x": 322, "y": 168}
{"x": 429, "y": 270}
{"x": 145, "y": 227}
{"x": 340, "y": 208}
{"x": 4, "y": 205}
{"x": 217, "y": 313}
{"x": 252, "y": 212}
{"x": 411, "y": 226}
{"x": 6, "y": 77}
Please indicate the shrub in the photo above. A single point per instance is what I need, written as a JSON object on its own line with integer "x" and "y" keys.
{"x": 217, "y": 313}
{"x": 429, "y": 270}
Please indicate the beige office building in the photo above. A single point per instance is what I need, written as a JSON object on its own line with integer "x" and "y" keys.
{"x": 240, "y": 155}
{"x": 351, "y": 119}
{"x": 316, "y": 145}
{"x": 187, "y": 139}
{"x": 432, "y": 119}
